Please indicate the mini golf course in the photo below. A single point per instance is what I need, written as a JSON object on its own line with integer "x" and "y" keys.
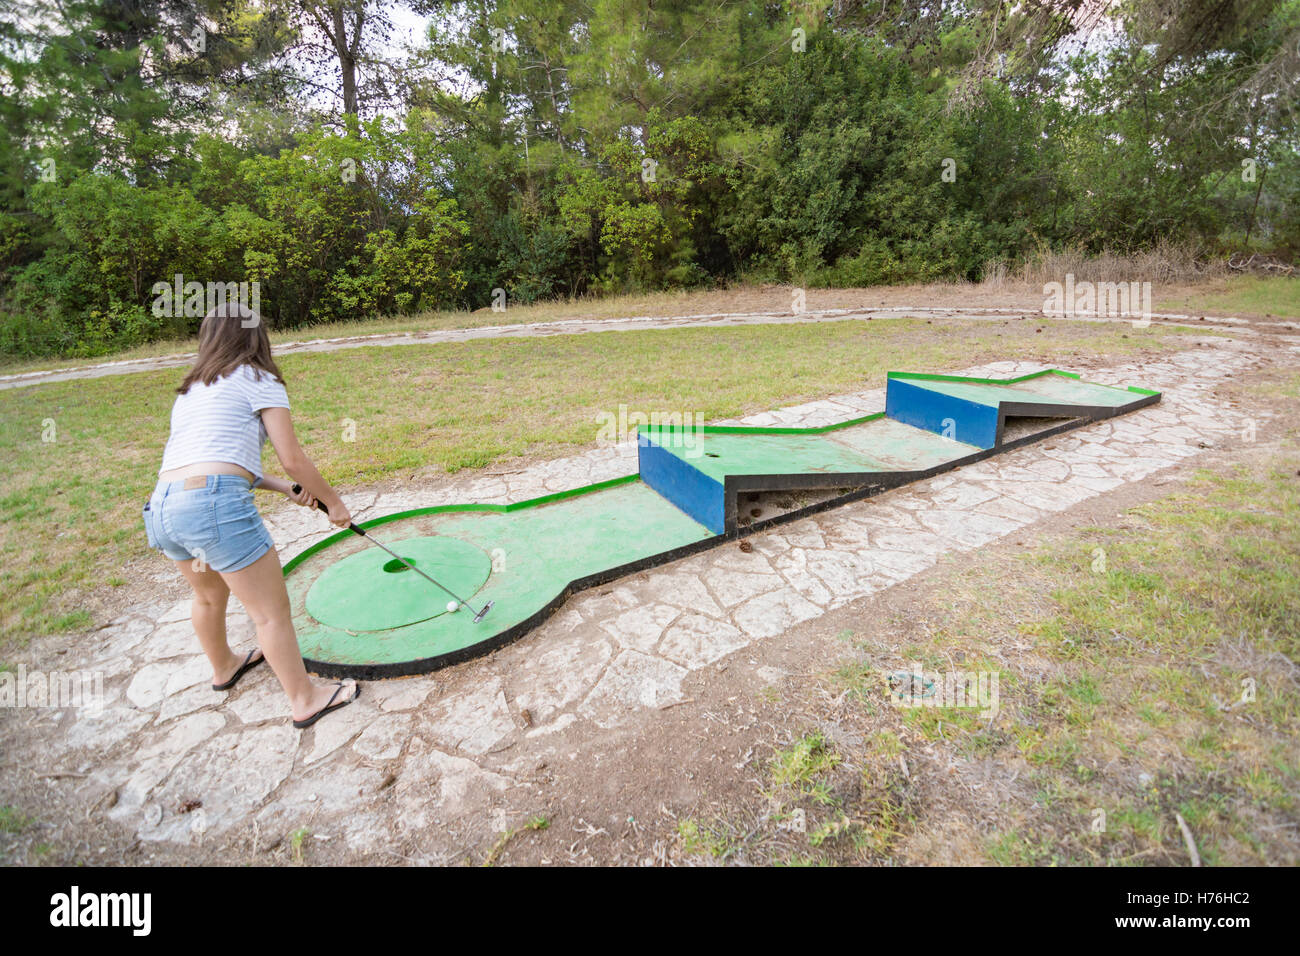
{"x": 361, "y": 613}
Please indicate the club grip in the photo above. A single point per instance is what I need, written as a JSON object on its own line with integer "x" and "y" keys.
{"x": 297, "y": 489}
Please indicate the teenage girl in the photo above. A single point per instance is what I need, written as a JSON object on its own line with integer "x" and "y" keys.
{"x": 202, "y": 516}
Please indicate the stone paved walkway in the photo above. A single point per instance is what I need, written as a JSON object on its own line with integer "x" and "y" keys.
{"x": 463, "y": 741}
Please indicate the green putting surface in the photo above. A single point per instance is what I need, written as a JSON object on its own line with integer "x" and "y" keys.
{"x": 533, "y": 554}
{"x": 893, "y": 446}
{"x": 1071, "y": 391}
{"x": 394, "y": 595}
{"x": 358, "y": 612}
{"x": 879, "y": 444}
{"x": 1045, "y": 390}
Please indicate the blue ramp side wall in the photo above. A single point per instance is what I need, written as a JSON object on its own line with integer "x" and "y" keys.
{"x": 920, "y": 407}
{"x": 685, "y": 486}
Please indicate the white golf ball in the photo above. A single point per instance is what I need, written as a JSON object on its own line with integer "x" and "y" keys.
{"x": 452, "y": 607}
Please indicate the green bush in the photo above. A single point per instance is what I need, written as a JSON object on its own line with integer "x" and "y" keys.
{"x": 847, "y": 164}
{"x": 120, "y": 326}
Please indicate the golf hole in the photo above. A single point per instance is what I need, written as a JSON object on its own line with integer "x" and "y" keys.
{"x": 367, "y": 591}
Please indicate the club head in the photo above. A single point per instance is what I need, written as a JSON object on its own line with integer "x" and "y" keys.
{"x": 483, "y": 613}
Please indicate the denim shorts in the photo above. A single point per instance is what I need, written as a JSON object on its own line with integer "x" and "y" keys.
{"x": 217, "y": 523}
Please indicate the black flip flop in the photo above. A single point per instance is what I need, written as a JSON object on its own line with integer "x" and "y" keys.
{"x": 300, "y": 724}
{"x": 247, "y": 666}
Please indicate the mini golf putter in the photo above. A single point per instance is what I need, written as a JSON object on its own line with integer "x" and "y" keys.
{"x": 451, "y": 607}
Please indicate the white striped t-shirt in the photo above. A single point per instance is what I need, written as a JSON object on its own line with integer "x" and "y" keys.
{"x": 221, "y": 421}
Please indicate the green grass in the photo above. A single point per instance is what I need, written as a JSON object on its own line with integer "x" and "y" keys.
{"x": 72, "y": 506}
{"x": 534, "y": 823}
{"x": 297, "y": 842}
{"x": 801, "y": 764}
{"x": 1219, "y": 561}
{"x": 13, "y": 820}
{"x": 666, "y": 303}
{"x": 1149, "y": 661}
{"x": 702, "y": 838}
{"x": 800, "y": 860}
{"x": 851, "y": 815}
{"x": 1124, "y": 692}
{"x": 1257, "y": 295}
{"x": 740, "y": 298}
{"x": 1015, "y": 849}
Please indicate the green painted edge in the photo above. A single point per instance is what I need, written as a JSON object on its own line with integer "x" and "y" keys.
{"x": 931, "y": 377}
{"x": 319, "y": 546}
{"x": 763, "y": 429}
{"x": 923, "y": 376}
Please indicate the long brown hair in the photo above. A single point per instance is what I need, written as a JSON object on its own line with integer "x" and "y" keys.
{"x": 231, "y": 335}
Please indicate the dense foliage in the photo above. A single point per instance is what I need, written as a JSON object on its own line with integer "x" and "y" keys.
{"x": 556, "y": 147}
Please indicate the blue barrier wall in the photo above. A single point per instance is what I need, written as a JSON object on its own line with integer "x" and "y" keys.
{"x": 968, "y": 422}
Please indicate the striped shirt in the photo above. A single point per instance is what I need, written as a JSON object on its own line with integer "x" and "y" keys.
{"x": 222, "y": 421}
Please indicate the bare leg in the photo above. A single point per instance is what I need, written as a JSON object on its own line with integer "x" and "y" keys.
{"x": 208, "y": 613}
{"x": 260, "y": 588}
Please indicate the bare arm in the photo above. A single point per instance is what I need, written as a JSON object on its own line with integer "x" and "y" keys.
{"x": 302, "y": 496}
{"x": 296, "y": 464}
